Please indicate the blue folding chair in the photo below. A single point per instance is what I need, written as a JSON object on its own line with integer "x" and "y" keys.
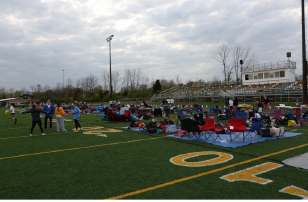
{"x": 255, "y": 129}
{"x": 241, "y": 115}
{"x": 291, "y": 116}
{"x": 193, "y": 110}
{"x": 211, "y": 108}
{"x": 200, "y": 108}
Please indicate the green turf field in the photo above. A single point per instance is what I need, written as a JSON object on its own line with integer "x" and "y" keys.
{"x": 133, "y": 165}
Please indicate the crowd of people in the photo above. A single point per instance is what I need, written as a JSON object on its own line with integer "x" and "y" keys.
{"x": 49, "y": 111}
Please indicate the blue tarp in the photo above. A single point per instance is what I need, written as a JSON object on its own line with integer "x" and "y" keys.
{"x": 225, "y": 140}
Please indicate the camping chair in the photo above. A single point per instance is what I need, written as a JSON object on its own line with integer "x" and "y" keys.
{"x": 126, "y": 114}
{"x": 193, "y": 110}
{"x": 216, "y": 111}
{"x": 266, "y": 121}
{"x": 255, "y": 129}
{"x": 191, "y": 126}
{"x": 277, "y": 117}
{"x": 200, "y": 108}
{"x": 211, "y": 108}
{"x": 209, "y": 129}
{"x": 297, "y": 112}
{"x": 199, "y": 117}
{"x": 228, "y": 113}
{"x": 166, "y": 110}
{"x": 241, "y": 115}
{"x": 212, "y": 115}
{"x": 237, "y": 128}
{"x": 158, "y": 112}
{"x": 290, "y": 116}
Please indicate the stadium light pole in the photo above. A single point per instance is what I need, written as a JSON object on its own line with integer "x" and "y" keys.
{"x": 304, "y": 55}
{"x": 109, "y": 40}
{"x": 63, "y": 77}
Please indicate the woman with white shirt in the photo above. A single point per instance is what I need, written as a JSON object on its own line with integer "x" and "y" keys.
{"x": 12, "y": 111}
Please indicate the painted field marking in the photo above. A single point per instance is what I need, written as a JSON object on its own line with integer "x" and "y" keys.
{"x": 14, "y": 128}
{"x": 86, "y": 147}
{"x": 180, "y": 159}
{"x": 202, "y": 174}
{"x": 249, "y": 174}
{"x": 295, "y": 191}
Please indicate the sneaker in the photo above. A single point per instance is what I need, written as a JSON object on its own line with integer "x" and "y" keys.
{"x": 80, "y": 128}
{"x": 75, "y": 130}
{"x": 43, "y": 134}
{"x": 30, "y": 134}
{"x": 65, "y": 131}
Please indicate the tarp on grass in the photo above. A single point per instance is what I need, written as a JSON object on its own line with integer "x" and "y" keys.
{"x": 225, "y": 140}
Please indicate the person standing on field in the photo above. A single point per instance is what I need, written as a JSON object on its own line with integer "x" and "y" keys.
{"x": 76, "y": 115}
{"x": 50, "y": 112}
{"x": 59, "y": 117}
{"x": 36, "y": 119}
{"x": 12, "y": 111}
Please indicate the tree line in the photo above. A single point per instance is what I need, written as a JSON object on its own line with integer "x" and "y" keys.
{"x": 132, "y": 83}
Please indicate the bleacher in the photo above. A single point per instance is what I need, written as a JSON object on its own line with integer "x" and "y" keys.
{"x": 218, "y": 92}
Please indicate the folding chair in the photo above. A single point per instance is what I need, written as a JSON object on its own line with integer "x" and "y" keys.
{"x": 266, "y": 121}
{"x": 241, "y": 115}
{"x": 291, "y": 116}
{"x": 228, "y": 113}
{"x": 208, "y": 130}
{"x": 216, "y": 111}
{"x": 236, "y": 126}
{"x": 200, "y": 108}
{"x": 255, "y": 129}
{"x": 191, "y": 126}
{"x": 277, "y": 117}
{"x": 211, "y": 108}
{"x": 193, "y": 110}
{"x": 198, "y": 116}
{"x": 212, "y": 115}
{"x": 158, "y": 112}
{"x": 297, "y": 112}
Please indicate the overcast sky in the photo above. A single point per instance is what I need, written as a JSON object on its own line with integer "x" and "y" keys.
{"x": 162, "y": 37}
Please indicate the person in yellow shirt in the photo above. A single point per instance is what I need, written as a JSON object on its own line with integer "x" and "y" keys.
{"x": 59, "y": 117}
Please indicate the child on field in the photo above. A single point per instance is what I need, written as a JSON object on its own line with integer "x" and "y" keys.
{"x": 12, "y": 111}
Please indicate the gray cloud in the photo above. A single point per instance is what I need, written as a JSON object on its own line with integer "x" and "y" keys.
{"x": 164, "y": 38}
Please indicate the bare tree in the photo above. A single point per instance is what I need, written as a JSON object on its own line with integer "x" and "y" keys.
{"x": 92, "y": 83}
{"x": 24, "y": 90}
{"x": 115, "y": 80}
{"x": 247, "y": 56}
{"x": 221, "y": 55}
{"x": 106, "y": 80}
{"x": 178, "y": 79}
{"x": 33, "y": 88}
{"x": 11, "y": 92}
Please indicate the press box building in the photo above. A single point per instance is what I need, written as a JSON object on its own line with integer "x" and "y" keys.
{"x": 270, "y": 73}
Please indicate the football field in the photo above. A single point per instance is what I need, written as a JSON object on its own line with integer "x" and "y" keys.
{"x": 105, "y": 161}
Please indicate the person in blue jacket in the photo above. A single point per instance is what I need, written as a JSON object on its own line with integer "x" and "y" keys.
{"x": 76, "y": 115}
{"x": 50, "y": 112}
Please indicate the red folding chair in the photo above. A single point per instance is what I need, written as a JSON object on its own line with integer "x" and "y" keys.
{"x": 237, "y": 128}
{"x": 297, "y": 112}
{"x": 209, "y": 129}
